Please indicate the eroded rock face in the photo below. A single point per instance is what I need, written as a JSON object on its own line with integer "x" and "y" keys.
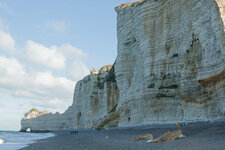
{"x": 95, "y": 96}
{"x": 170, "y": 64}
{"x": 46, "y": 121}
{"x": 170, "y": 68}
{"x": 95, "y": 100}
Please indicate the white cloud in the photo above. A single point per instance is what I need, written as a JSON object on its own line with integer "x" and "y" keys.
{"x": 41, "y": 55}
{"x": 37, "y": 86}
{"x": 7, "y": 43}
{"x": 23, "y": 85}
{"x": 54, "y": 103}
{"x": 70, "y": 52}
{"x": 59, "y": 26}
{"x": 53, "y": 86}
{"x": 41, "y": 89}
{"x": 65, "y": 58}
{"x": 77, "y": 70}
{"x": 11, "y": 73}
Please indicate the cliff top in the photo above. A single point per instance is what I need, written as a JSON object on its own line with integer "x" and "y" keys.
{"x": 32, "y": 110}
{"x": 101, "y": 70}
{"x": 105, "y": 68}
{"x": 34, "y": 113}
{"x": 130, "y": 4}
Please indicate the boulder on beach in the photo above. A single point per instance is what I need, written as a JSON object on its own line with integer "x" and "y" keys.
{"x": 143, "y": 137}
{"x": 169, "y": 136}
{"x": 178, "y": 124}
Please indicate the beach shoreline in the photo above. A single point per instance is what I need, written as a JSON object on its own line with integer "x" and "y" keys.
{"x": 201, "y": 136}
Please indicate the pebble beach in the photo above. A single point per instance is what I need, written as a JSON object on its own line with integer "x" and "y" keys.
{"x": 197, "y": 136}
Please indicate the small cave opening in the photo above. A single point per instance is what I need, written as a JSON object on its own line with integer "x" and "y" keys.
{"x": 129, "y": 119}
{"x": 78, "y": 118}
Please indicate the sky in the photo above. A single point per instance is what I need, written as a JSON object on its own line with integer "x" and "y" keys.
{"x": 46, "y": 47}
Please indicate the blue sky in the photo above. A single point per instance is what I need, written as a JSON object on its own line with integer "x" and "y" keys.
{"x": 46, "y": 47}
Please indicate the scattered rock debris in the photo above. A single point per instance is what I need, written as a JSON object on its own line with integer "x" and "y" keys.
{"x": 143, "y": 137}
{"x": 193, "y": 125}
{"x": 179, "y": 125}
{"x": 169, "y": 136}
{"x": 150, "y": 140}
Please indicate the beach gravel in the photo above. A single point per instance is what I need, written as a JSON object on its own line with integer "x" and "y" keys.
{"x": 207, "y": 136}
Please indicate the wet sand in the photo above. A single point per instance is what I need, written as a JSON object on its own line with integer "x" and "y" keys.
{"x": 200, "y": 136}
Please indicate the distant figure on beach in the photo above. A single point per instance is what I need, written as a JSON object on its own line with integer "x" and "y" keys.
{"x": 73, "y": 132}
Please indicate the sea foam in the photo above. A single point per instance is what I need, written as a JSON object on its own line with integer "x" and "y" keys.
{"x": 1, "y": 141}
{"x": 12, "y": 140}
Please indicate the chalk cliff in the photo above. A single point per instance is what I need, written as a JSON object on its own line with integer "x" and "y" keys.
{"x": 94, "y": 104}
{"x": 170, "y": 65}
{"x": 170, "y": 68}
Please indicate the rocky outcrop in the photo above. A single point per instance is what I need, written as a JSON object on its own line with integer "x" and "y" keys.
{"x": 42, "y": 122}
{"x": 34, "y": 113}
{"x": 169, "y": 136}
{"x": 170, "y": 68}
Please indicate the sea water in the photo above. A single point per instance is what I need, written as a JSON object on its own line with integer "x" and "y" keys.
{"x": 12, "y": 140}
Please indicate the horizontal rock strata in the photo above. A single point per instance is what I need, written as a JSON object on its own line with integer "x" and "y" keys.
{"x": 170, "y": 63}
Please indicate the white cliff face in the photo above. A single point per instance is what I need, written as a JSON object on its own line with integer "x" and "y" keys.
{"x": 170, "y": 64}
{"x": 95, "y": 97}
{"x": 170, "y": 68}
